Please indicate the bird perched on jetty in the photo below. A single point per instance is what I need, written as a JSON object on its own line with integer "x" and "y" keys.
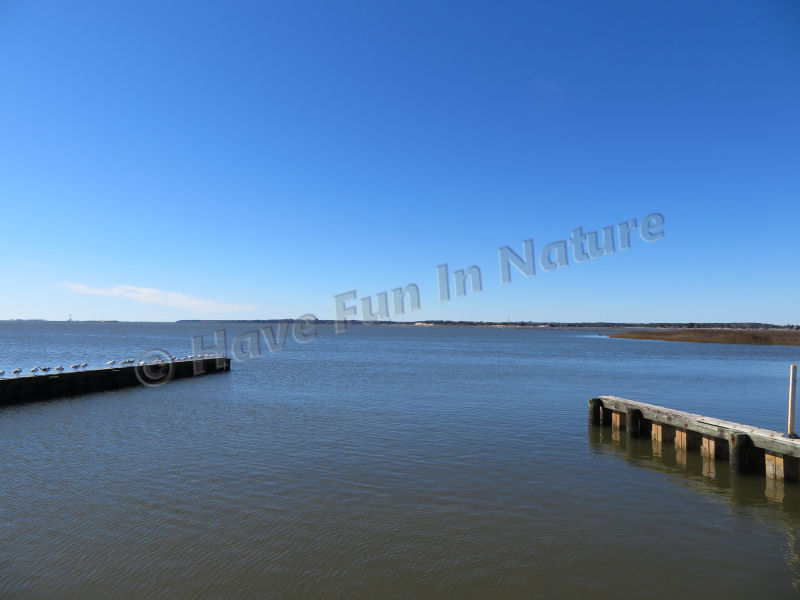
{"x": 17, "y": 371}
{"x": 59, "y": 368}
{"x": 2, "y": 373}
{"x": 45, "y": 369}
{"x": 75, "y": 366}
{"x": 111, "y": 362}
{"x": 34, "y": 369}
{"x": 82, "y": 365}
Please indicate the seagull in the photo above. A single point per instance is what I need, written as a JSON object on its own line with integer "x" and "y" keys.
{"x": 45, "y": 369}
{"x": 17, "y": 371}
{"x": 111, "y": 362}
{"x": 75, "y": 366}
{"x": 2, "y": 373}
{"x": 59, "y": 368}
{"x": 34, "y": 369}
{"x": 82, "y": 365}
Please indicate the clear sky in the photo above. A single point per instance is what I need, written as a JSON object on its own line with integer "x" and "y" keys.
{"x": 169, "y": 160}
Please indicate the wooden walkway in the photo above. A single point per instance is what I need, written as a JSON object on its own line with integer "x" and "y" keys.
{"x": 15, "y": 390}
{"x": 748, "y": 449}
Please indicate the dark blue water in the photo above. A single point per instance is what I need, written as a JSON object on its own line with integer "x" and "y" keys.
{"x": 385, "y": 462}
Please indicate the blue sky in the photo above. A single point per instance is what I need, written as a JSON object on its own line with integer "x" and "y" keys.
{"x": 161, "y": 161}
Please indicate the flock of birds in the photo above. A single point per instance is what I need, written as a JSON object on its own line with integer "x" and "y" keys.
{"x": 111, "y": 363}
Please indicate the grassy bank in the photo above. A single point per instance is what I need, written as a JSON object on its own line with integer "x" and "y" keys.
{"x": 716, "y": 336}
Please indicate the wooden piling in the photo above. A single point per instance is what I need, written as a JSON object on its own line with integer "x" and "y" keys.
{"x": 792, "y": 395}
{"x": 605, "y": 415}
{"x": 617, "y": 421}
{"x": 635, "y": 424}
{"x": 739, "y": 445}
{"x": 774, "y": 466}
{"x": 595, "y": 406}
{"x": 662, "y": 433}
{"x": 748, "y": 449}
{"x": 708, "y": 447}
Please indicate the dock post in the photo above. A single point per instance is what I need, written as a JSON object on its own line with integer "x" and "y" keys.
{"x": 618, "y": 421}
{"x": 773, "y": 466}
{"x": 738, "y": 447}
{"x": 594, "y": 411}
{"x": 605, "y": 415}
{"x": 708, "y": 448}
{"x": 792, "y": 394}
{"x": 633, "y": 422}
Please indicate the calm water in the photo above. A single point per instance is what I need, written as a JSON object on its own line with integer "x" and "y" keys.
{"x": 387, "y": 462}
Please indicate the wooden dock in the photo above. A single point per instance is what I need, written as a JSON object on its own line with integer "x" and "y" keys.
{"x": 747, "y": 449}
{"x": 15, "y": 390}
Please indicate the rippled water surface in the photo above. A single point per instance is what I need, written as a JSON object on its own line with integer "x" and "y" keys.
{"x": 387, "y": 462}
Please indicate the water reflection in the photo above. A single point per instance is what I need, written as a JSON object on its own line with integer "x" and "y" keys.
{"x": 700, "y": 471}
{"x": 770, "y": 499}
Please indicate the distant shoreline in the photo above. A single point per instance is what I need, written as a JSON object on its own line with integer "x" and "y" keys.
{"x": 661, "y": 331}
{"x": 643, "y": 328}
{"x": 784, "y": 336}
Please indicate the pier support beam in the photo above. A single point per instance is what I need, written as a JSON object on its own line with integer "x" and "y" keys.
{"x": 634, "y": 423}
{"x": 713, "y": 448}
{"x": 748, "y": 449}
{"x": 617, "y": 421}
{"x": 687, "y": 440}
{"x": 659, "y": 434}
{"x": 780, "y": 467}
{"x": 662, "y": 433}
{"x": 708, "y": 448}
{"x": 595, "y": 408}
{"x": 739, "y": 449}
{"x": 605, "y": 415}
{"x": 774, "y": 466}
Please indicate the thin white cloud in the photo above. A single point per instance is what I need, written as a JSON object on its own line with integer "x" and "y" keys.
{"x": 160, "y": 297}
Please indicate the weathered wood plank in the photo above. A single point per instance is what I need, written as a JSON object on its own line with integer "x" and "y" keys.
{"x": 774, "y": 466}
{"x": 617, "y": 421}
{"x": 708, "y": 447}
{"x": 769, "y": 441}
